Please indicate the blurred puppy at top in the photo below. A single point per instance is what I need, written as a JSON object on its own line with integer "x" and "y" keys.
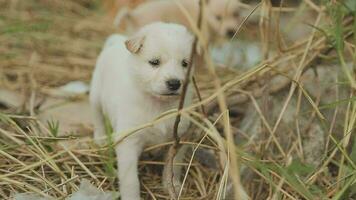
{"x": 114, "y": 5}
{"x": 221, "y": 17}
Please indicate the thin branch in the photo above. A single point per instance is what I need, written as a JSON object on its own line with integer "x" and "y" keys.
{"x": 197, "y": 91}
{"x": 173, "y": 149}
{"x": 187, "y": 77}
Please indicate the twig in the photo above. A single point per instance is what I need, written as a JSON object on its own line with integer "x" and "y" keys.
{"x": 173, "y": 149}
{"x": 187, "y": 78}
{"x": 199, "y": 96}
{"x": 244, "y": 21}
{"x": 314, "y": 61}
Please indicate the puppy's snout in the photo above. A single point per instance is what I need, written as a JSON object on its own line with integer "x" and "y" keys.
{"x": 173, "y": 84}
{"x": 230, "y": 33}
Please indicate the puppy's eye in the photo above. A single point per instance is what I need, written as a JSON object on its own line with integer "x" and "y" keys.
{"x": 218, "y": 17}
{"x": 155, "y": 62}
{"x": 185, "y": 63}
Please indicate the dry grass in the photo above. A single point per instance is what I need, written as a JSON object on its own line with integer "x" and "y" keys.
{"x": 301, "y": 144}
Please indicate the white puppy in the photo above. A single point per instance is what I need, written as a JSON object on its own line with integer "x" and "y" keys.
{"x": 136, "y": 80}
{"x": 222, "y": 16}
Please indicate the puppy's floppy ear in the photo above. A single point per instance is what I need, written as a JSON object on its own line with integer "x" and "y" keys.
{"x": 134, "y": 44}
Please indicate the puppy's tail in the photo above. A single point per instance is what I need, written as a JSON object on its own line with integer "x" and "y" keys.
{"x": 121, "y": 15}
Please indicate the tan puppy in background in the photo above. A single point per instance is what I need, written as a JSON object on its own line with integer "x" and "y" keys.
{"x": 221, "y": 16}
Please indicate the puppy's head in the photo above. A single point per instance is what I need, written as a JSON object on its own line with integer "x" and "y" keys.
{"x": 224, "y": 17}
{"x": 161, "y": 55}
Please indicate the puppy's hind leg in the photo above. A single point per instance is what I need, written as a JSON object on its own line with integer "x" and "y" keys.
{"x": 99, "y": 124}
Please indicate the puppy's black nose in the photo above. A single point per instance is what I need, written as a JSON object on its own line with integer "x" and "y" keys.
{"x": 230, "y": 33}
{"x": 173, "y": 84}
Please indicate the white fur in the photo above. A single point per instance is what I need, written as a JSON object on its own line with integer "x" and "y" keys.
{"x": 221, "y": 16}
{"x": 127, "y": 89}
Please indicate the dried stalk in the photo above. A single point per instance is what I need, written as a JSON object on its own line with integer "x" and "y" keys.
{"x": 197, "y": 91}
{"x": 314, "y": 60}
{"x": 173, "y": 149}
{"x": 187, "y": 79}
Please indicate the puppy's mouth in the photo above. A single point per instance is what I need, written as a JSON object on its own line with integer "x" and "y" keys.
{"x": 171, "y": 94}
{"x": 167, "y": 96}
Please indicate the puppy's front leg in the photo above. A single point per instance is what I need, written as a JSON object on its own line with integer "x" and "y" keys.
{"x": 128, "y": 153}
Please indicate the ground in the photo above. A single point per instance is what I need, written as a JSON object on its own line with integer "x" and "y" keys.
{"x": 292, "y": 110}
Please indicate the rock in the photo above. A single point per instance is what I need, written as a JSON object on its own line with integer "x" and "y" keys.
{"x": 87, "y": 191}
{"x": 30, "y": 196}
{"x": 312, "y": 135}
{"x": 314, "y": 145}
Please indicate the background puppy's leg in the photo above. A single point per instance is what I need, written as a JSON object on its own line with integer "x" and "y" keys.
{"x": 128, "y": 153}
{"x": 177, "y": 169}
